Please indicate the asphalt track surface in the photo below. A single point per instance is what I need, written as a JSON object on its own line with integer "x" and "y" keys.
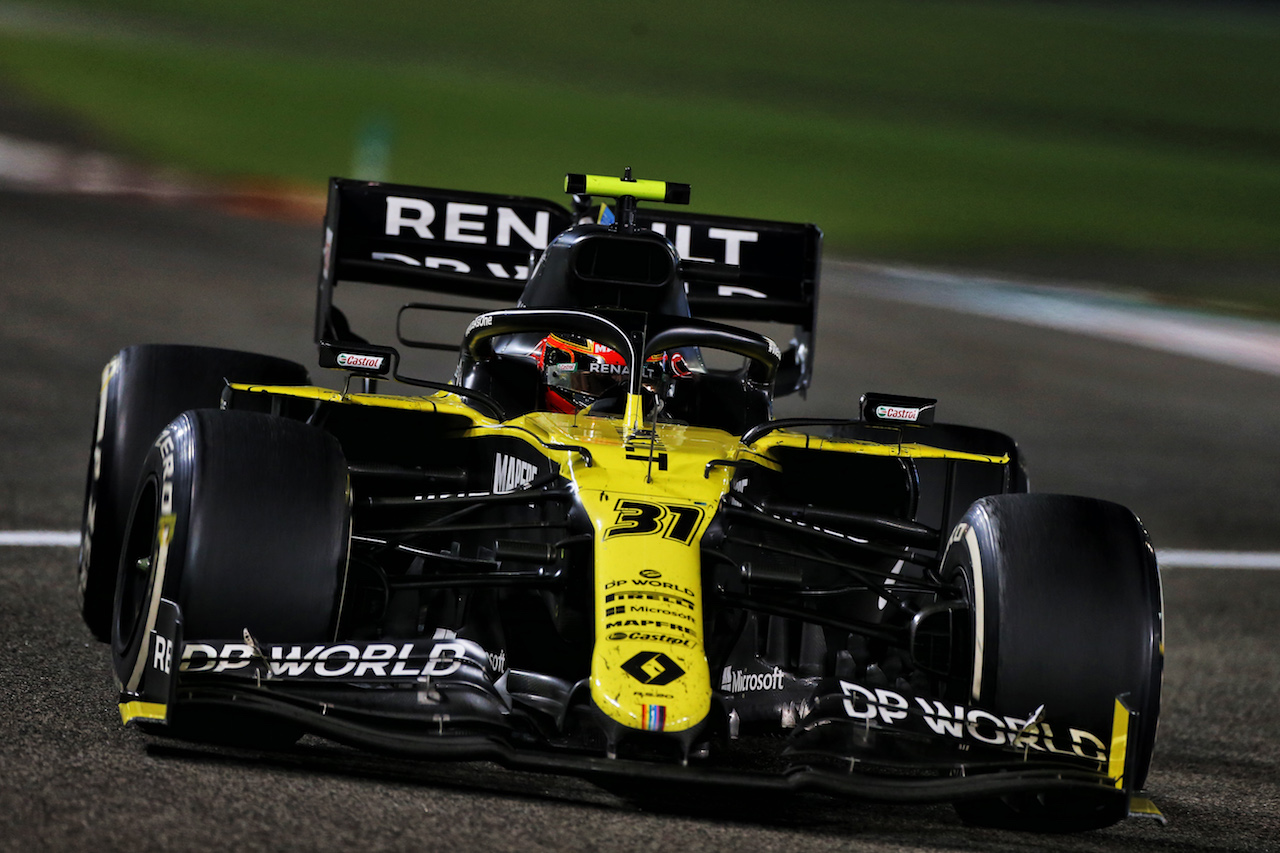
{"x": 1190, "y": 445}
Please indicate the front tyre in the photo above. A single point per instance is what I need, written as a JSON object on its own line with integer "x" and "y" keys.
{"x": 143, "y": 388}
{"x": 1066, "y": 613}
{"x": 243, "y": 520}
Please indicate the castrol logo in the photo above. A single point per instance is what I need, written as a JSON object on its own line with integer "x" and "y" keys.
{"x": 361, "y": 362}
{"x": 895, "y": 413}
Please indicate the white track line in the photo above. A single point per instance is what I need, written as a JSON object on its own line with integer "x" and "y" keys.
{"x": 1169, "y": 558}
{"x": 1131, "y": 319}
{"x": 1186, "y": 559}
{"x": 40, "y": 538}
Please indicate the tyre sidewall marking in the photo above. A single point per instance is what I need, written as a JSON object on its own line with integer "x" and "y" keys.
{"x": 164, "y": 537}
{"x": 165, "y": 469}
{"x": 965, "y": 533}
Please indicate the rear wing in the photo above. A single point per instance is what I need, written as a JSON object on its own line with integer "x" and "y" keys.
{"x": 744, "y": 269}
{"x": 484, "y": 245}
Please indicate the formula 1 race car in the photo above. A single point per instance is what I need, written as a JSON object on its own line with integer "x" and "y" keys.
{"x": 593, "y": 551}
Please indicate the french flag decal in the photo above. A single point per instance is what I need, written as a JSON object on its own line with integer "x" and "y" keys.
{"x": 655, "y": 717}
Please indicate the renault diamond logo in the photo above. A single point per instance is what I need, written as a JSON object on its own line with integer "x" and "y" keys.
{"x": 653, "y": 668}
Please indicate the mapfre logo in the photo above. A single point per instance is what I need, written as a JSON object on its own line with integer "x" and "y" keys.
{"x": 511, "y": 473}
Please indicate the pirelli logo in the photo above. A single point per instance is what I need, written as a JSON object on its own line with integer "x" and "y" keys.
{"x": 654, "y": 597}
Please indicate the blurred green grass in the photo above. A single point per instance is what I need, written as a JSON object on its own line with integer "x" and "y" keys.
{"x": 996, "y": 133}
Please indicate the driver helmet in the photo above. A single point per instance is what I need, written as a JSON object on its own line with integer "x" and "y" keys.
{"x": 577, "y": 371}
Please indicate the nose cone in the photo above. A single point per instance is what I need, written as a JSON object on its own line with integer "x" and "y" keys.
{"x": 648, "y": 669}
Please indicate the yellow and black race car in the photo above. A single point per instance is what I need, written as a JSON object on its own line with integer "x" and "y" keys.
{"x": 593, "y": 551}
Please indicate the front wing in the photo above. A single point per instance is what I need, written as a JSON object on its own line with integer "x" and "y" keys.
{"x": 443, "y": 699}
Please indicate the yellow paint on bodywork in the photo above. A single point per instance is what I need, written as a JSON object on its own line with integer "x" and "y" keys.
{"x": 1143, "y": 807}
{"x": 633, "y": 418}
{"x": 442, "y": 402}
{"x": 645, "y": 190}
{"x": 446, "y": 403}
{"x": 153, "y": 711}
{"x": 650, "y": 496}
{"x": 1119, "y": 743}
{"x": 649, "y": 504}
{"x": 784, "y": 438}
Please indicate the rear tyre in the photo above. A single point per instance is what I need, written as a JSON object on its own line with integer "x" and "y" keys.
{"x": 143, "y": 388}
{"x": 243, "y": 520}
{"x": 1066, "y": 606}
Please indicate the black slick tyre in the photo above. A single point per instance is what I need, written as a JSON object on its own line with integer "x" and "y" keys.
{"x": 1066, "y": 604}
{"x": 143, "y": 388}
{"x": 243, "y": 520}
